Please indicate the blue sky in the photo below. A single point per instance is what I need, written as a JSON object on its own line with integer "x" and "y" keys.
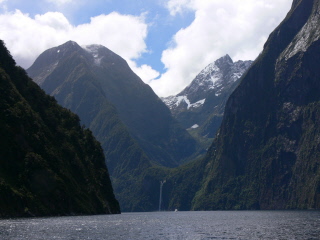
{"x": 166, "y": 42}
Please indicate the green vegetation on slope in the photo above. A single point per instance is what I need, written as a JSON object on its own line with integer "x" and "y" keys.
{"x": 50, "y": 165}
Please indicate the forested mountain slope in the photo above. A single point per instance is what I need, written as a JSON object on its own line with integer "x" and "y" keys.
{"x": 50, "y": 165}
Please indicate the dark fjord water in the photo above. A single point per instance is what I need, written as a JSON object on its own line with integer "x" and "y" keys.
{"x": 169, "y": 225}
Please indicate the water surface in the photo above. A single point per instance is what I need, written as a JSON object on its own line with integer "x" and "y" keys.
{"x": 169, "y": 225}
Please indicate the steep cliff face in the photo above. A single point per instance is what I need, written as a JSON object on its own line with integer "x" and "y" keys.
{"x": 266, "y": 155}
{"x": 50, "y": 165}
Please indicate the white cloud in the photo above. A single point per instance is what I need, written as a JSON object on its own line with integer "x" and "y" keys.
{"x": 145, "y": 72}
{"x": 177, "y": 6}
{"x": 59, "y": 2}
{"x": 235, "y": 27}
{"x": 3, "y": 6}
{"x": 53, "y": 20}
{"x": 122, "y": 34}
{"x": 27, "y": 37}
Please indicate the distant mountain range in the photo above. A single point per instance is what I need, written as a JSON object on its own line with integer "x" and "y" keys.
{"x": 200, "y": 106}
{"x": 50, "y": 165}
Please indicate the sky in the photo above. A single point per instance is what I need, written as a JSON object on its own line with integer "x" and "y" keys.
{"x": 165, "y": 42}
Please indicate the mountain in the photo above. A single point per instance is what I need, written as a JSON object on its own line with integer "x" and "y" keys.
{"x": 200, "y": 106}
{"x": 66, "y": 72}
{"x": 135, "y": 128}
{"x": 50, "y": 165}
{"x": 266, "y": 154}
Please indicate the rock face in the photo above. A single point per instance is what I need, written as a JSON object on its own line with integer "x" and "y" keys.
{"x": 200, "y": 106}
{"x": 266, "y": 155}
{"x": 50, "y": 165}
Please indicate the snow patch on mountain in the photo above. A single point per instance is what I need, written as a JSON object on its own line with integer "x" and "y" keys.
{"x": 94, "y": 51}
{"x": 175, "y": 101}
{"x": 198, "y": 104}
{"x": 236, "y": 76}
{"x": 182, "y": 99}
{"x": 208, "y": 77}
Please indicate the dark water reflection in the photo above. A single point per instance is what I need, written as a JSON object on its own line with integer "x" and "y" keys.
{"x": 169, "y": 225}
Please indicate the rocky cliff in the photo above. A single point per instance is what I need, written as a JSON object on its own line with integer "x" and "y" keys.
{"x": 266, "y": 155}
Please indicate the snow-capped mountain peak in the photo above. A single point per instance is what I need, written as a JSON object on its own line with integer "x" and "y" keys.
{"x": 200, "y": 106}
{"x": 213, "y": 78}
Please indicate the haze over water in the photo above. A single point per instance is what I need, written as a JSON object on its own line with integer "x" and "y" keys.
{"x": 169, "y": 225}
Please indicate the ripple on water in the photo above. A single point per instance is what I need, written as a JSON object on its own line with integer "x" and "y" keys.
{"x": 169, "y": 226}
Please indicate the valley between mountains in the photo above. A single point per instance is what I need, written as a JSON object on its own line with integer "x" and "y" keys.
{"x": 137, "y": 131}
{"x": 242, "y": 135}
